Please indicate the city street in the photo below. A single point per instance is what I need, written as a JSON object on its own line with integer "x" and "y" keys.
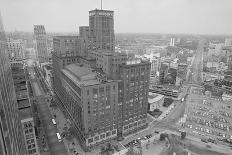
{"x": 55, "y": 147}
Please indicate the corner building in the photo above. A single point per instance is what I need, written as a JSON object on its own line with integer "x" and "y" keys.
{"x": 133, "y": 96}
{"x": 90, "y": 101}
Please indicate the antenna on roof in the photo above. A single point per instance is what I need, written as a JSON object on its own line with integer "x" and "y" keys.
{"x": 101, "y": 4}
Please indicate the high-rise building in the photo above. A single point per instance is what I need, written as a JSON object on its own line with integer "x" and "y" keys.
{"x": 101, "y": 29}
{"x": 172, "y": 42}
{"x": 133, "y": 96}
{"x": 24, "y": 107}
{"x": 84, "y": 32}
{"x": 84, "y": 39}
{"x": 10, "y": 127}
{"x": 41, "y": 43}
{"x": 87, "y": 87}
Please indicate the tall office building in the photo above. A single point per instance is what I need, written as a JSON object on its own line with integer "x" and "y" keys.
{"x": 101, "y": 27}
{"x": 10, "y": 132}
{"x": 87, "y": 87}
{"x": 133, "y": 96}
{"x": 84, "y": 39}
{"x": 41, "y": 43}
{"x": 24, "y": 107}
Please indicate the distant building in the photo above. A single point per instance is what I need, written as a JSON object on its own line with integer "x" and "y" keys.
{"x": 47, "y": 73}
{"x": 172, "y": 42}
{"x": 84, "y": 39}
{"x": 182, "y": 71}
{"x": 41, "y": 43}
{"x": 16, "y": 49}
{"x": 228, "y": 42}
{"x": 30, "y": 53}
{"x": 84, "y": 32}
{"x": 155, "y": 101}
{"x": 101, "y": 27}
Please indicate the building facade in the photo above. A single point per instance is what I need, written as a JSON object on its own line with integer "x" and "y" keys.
{"x": 103, "y": 94}
{"x": 10, "y": 132}
{"x": 24, "y": 107}
{"x": 16, "y": 49}
{"x": 101, "y": 28}
{"x": 41, "y": 43}
{"x": 133, "y": 96}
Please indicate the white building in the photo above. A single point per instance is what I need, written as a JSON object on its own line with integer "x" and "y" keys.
{"x": 16, "y": 48}
{"x": 155, "y": 101}
{"x": 228, "y": 41}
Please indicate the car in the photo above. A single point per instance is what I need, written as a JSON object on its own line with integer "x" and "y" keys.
{"x": 148, "y": 136}
{"x": 204, "y": 140}
{"x": 157, "y": 132}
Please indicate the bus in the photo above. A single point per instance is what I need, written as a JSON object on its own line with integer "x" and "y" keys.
{"x": 58, "y": 136}
{"x": 54, "y": 122}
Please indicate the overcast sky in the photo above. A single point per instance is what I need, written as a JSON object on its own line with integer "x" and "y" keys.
{"x": 148, "y": 16}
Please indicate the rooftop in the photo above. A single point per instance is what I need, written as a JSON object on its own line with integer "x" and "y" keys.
{"x": 135, "y": 62}
{"x": 23, "y": 103}
{"x": 80, "y": 74}
{"x": 153, "y": 97}
{"x": 25, "y": 113}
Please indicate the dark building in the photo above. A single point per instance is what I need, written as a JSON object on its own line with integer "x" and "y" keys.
{"x": 11, "y": 142}
{"x": 102, "y": 93}
{"x": 101, "y": 28}
{"x": 133, "y": 96}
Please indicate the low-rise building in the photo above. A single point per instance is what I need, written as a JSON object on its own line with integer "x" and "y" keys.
{"x": 24, "y": 107}
{"x": 155, "y": 101}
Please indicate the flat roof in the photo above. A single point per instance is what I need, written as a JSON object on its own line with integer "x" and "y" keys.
{"x": 25, "y": 113}
{"x": 153, "y": 97}
{"x": 80, "y": 74}
{"x": 23, "y": 103}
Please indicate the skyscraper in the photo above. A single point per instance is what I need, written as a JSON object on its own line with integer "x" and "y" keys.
{"x": 10, "y": 135}
{"x": 41, "y": 43}
{"x": 102, "y": 94}
{"x": 101, "y": 27}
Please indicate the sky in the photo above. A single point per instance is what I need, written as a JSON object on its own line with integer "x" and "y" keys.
{"x": 130, "y": 16}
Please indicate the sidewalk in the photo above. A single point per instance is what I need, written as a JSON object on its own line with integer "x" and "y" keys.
{"x": 63, "y": 125}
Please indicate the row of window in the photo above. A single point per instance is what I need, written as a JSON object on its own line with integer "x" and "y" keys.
{"x": 102, "y": 136}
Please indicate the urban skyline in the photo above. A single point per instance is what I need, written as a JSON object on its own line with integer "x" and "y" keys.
{"x": 97, "y": 93}
{"x": 150, "y": 16}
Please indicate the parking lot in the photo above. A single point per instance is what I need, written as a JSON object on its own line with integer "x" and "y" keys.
{"x": 208, "y": 117}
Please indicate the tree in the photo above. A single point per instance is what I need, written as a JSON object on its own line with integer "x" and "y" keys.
{"x": 163, "y": 136}
{"x": 183, "y": 135}
{"x": 167, "y": 102}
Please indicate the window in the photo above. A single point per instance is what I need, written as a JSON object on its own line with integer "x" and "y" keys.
{"x": 30, "y": 130}
{"x": 102, "y": 136}
{"x": 108, "y": 134}
{"x": 113, "y": 132}
{"x": 29, "y": 147}
{"x": 96, "y": 138}
{"x": 90, "y": 140}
